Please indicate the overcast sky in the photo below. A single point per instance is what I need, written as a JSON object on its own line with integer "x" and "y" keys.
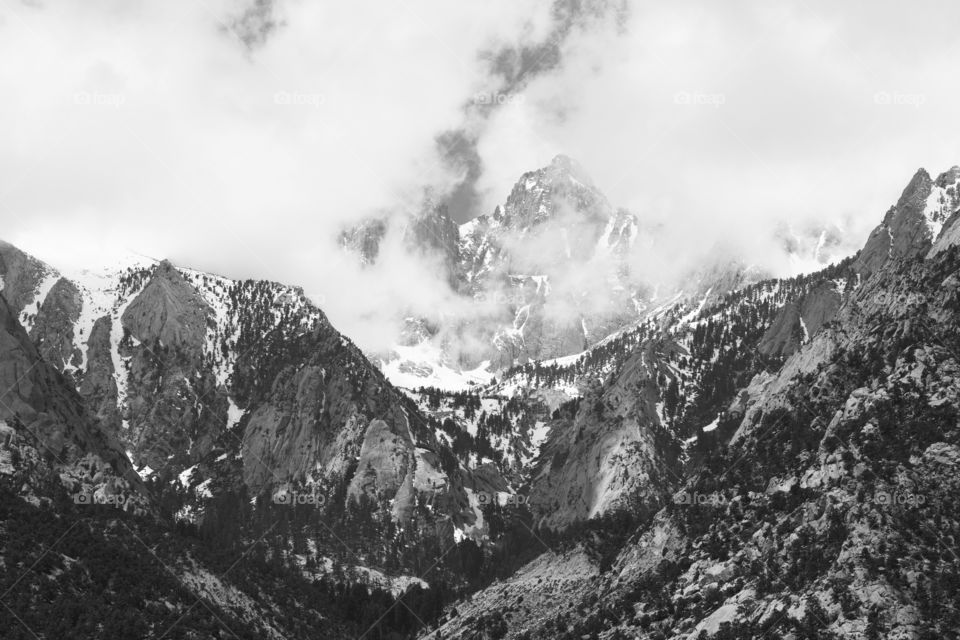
{"x": 238, "y": 137}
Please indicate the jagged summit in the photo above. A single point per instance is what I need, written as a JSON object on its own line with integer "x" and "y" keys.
{"x": 551, "y": 192}
{"x": 920, "y": 180}
{"x": 911, "y": 200}
{"x": 912, "y": 226}
{"x": 169, "y": 311}
{"x": 567, "y": 166}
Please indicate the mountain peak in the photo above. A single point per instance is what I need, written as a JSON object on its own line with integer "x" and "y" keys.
{"x": 563, "y": 161}
{"x": 567, "y": 167}
{"x": 910, "y": 227}
{"x": 916, "y": 191}
{"x": 562, "y": 185}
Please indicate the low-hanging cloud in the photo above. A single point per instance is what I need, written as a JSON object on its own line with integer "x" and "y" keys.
{"x": 242, "y": 137}
{"x": 228, "y": 134}
{"x": 728, "y": 120}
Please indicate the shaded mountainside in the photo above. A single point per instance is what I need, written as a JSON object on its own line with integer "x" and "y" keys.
{"x": 225, "y": 392}
{"x": 182, "y": 362}
{"x": 84, "y": 553}
{"x": 222, "y": 533}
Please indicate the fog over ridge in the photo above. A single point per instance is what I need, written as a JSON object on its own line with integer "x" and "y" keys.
{"x": 242, "y": 138}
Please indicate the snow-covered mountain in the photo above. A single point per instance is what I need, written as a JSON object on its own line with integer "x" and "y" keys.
{"x": 548, "y": 274}
{"x": 740, "y": 457}
{"x": 242, "y": 384}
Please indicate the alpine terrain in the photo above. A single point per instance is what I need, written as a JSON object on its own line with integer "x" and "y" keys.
{"x": 591, "y": 451}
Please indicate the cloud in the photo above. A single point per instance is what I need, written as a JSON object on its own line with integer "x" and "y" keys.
{"x": 255, "y": 23}
{"x": 511, "y": 66}
{"x": 241, "y": 137}
{"x": 161, "y": 125}
{"x": 725, "y": 121}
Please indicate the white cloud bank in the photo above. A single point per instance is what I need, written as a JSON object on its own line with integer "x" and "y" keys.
{"x": 154, "y": 127}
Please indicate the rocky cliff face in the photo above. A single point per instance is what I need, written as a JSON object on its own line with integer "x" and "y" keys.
{"x": 914, "y": 223}
{"x": 946, "y": 198}
{"x": 333, "y": 417}
{"x": 386, "y": 467}
{"x": 613, "y": 453}
{"x": 799, "y": 320}
{"x": 48, "y": 435}
{"x": 173, "y": 409}
{"x": 99, "y": 387}
{"x": 53, "y": 326}
{"x": 22, "y": 274}
{"x": 168, "y": 312}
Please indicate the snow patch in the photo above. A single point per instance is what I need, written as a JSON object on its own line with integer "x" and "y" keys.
{"x": 476, "y": 529}
{"x": 424, "y": 365}
{"x": 234, "y": 413}
{"x": 28, "y": 314}
{"x": 184, "y": 477}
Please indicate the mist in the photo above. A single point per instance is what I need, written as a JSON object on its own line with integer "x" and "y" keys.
{"x": 242, "y": 138}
